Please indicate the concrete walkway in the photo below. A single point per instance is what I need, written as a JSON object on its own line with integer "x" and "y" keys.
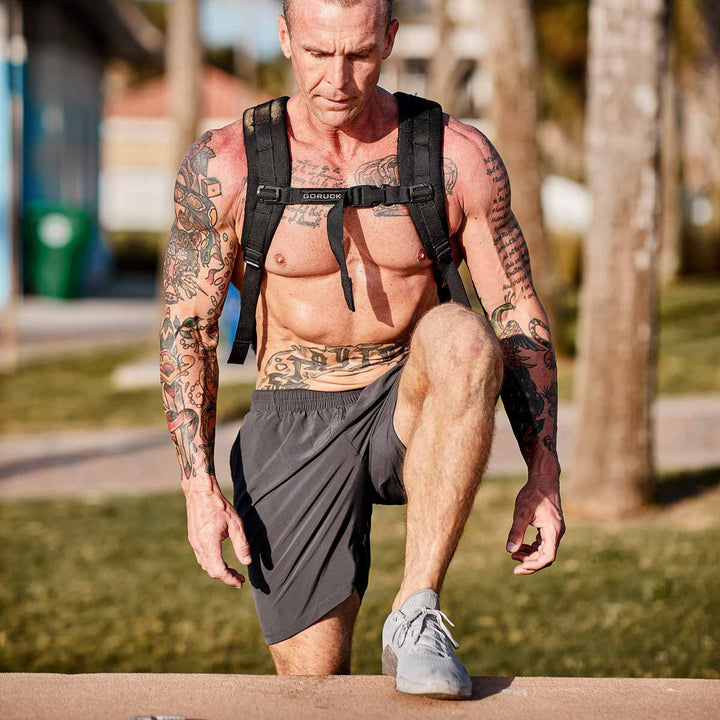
{"x": 228, "y": 697}
{"x": 119, "y": 462}
{"x": 51, "y": 327}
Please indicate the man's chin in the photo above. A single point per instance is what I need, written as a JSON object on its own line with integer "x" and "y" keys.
{"x": 336, "y": 115}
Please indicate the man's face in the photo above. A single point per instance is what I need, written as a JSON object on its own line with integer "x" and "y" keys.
{"x": 336, "y": 54}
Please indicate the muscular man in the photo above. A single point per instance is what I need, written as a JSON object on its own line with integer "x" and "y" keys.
{"x": 393, "y": 402}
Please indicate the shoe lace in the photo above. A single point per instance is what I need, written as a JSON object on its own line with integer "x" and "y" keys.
{"x": 432, "y": 620}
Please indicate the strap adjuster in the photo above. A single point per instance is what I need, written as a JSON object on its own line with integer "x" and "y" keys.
{"x": 253, "y": 257}
{"x": 421, "y": 192}
{"x": 443, "y": 250}
{"x": 268, "y": 194}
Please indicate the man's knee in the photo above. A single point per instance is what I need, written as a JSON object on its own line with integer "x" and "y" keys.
{"x": 323, "y": 648}
{"x": 459, "y": 349}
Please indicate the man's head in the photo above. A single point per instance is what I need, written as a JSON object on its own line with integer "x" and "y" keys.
{"x": 336, "y": 48}
{"x": 387, "y": 8}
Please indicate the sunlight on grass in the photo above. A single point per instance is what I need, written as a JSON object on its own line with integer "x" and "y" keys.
{"x": 113, "y": 586}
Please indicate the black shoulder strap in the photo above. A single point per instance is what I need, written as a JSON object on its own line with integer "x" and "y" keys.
{"x": 268, "y": 160}
{"x": 420, "y": 161}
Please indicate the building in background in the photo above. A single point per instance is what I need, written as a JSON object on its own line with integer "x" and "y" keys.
{"x": 67, "y": 44}
{"x": 138, "y": 169}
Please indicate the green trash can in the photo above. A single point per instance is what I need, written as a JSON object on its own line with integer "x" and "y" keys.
{"x": 56, "y": 237}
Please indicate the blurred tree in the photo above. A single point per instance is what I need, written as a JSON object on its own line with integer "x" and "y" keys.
{"x": 670, "y": 173}
{"x": 615, "y": 382}
{"x": 513, "y": 112}
{"x": 183, "y": 63}
{"x": 561, "y": 28}
{"x": 443, "y": 68}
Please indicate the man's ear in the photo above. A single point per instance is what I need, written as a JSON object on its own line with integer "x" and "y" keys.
{"x": 390, "y": 39}
{"x": 284, "y": 36}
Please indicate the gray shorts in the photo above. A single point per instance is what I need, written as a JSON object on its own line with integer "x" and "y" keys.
{"x": 307, "y": 466}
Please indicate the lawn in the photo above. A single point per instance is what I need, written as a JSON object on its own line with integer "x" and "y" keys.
{"x": 113, "y": 586}
{"x": 75, "y": 392}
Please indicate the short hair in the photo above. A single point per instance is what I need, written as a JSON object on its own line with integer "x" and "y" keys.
{"x": 287, "y": 4}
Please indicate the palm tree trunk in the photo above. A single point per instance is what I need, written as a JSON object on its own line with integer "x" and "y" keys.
{"x": 611, "y": 475}
{"x": 513, "y": 113}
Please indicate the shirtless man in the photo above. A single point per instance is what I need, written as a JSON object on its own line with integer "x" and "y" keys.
{"x": 391, "y": 403}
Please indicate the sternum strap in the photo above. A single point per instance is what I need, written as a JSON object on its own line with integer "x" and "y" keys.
{"x": 340, "y": 198}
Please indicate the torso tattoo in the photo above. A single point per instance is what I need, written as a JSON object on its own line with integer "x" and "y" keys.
{"x": 299, "y": 366}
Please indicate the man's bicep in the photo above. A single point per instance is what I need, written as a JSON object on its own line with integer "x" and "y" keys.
{"x": 202, "y": 246}
{"x": 491, "y": 240}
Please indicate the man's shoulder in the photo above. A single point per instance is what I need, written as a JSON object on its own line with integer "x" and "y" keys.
{"x": 464, "y": 142}
{"x": 224, "y": 150}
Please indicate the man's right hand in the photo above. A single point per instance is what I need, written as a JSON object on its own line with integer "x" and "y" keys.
{"x": 212, "y": 519}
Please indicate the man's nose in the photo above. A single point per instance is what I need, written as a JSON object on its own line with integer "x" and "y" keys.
{"x": 338, "y": 72}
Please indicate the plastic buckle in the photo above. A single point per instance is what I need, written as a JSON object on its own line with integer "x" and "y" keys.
{"x": 421, "y": 193}
{"x": 366, "y": 195}
{"x": 272, "y": 197}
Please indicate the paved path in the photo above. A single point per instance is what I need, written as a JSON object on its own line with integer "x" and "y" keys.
{"x": 365, "y": 697}
{"x": 49, "y": 327}
{"x": 141, "y": 461}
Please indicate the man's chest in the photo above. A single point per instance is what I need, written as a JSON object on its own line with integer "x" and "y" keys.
{"x": 382, "y": 237}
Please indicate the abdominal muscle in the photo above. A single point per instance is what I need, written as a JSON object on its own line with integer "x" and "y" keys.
{"x": 308, "y": 338}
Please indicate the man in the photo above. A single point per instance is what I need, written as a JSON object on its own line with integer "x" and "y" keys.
{"x": 393, "y": 402}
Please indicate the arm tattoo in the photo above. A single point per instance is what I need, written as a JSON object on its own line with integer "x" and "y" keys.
{"x": 529, "y": 390}
{"x": 198, "y": 263}
{"x": 529, "y": 361}
{"x": 507, "y": 236}
{"x": 189, "y": 381}
{"x": 297, "y": 367}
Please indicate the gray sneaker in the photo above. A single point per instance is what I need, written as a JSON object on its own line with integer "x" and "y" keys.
{"x": 417, "y": 650}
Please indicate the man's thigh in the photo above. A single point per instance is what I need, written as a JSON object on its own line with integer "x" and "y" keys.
{"x": 324, "y": 648}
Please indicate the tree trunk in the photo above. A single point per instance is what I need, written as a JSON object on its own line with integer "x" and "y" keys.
{"x": 183, "y": 65}
{"x": 443, "y": 66}
{"x": 513, "y": 113}
{"x": 670, "y": 166}
{"x": 611, "y": 475}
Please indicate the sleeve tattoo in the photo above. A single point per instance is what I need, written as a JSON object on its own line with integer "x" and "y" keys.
{"x": 197, "y": 267}
{"x": 529, "y": 390}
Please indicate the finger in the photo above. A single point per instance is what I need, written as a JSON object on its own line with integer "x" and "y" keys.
{"x": 229, "y": 576}
{"x": 542, "y": 557}
{"x": 216, "y": 567}
{"x": 523, "y": 552}
{"x": 241, "y": 546}
{"x": 517, "y": 533}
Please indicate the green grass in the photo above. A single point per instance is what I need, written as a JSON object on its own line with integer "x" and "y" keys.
{"x": 113, "y": 586}
{"x": 76, "y": 393}
{"x": 689, "y": 342}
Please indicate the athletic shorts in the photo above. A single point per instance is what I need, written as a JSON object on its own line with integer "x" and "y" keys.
{"x": 307, "y": 466}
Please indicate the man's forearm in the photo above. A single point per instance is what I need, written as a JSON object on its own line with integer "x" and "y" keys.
{"x": 529, "y": 391}
{"x": 189, "y": 381}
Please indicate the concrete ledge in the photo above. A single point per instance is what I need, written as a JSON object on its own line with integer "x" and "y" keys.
{"x": 41, "y": 696}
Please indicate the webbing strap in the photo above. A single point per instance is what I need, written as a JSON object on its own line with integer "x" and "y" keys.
{"x": 268, "y": 158}
{"x": 340, "y": 198}
{"x": 420, "y": 164}
{"x": 420, "y": 161}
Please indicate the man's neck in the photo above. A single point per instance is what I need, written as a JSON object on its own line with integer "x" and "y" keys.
{"x": 376, "y": 120}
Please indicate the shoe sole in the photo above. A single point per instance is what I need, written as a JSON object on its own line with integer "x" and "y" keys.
{"x": 389, "y": 667}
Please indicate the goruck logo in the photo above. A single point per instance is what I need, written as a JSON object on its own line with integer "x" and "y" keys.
{"x": 322, "y": 196}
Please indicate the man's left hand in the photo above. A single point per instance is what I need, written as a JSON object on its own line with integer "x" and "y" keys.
{"x": 537, "y": 504}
